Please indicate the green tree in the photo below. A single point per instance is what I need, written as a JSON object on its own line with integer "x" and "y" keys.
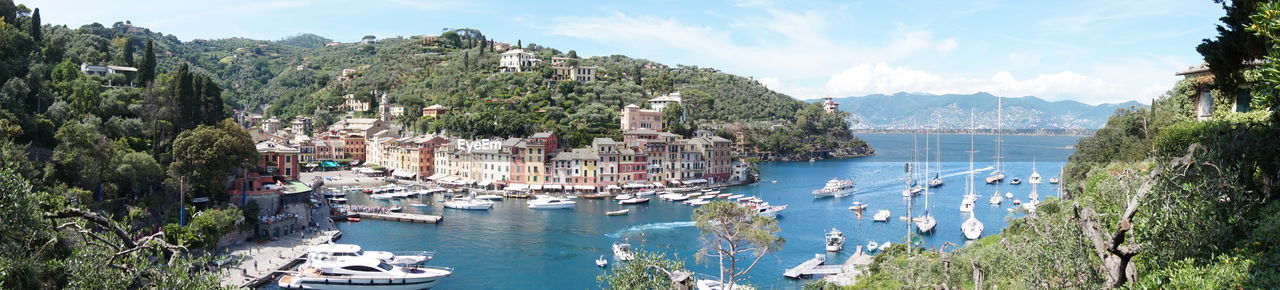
{"x": 127, "y": 52}
{"x": 139, "y": 169}
{"x": 36, "y": 34}
{"x": 82, "y": 154}
{"x": 647, "y": 271}
{"x": 147, "y": 68}
{"x": 733, "y": 234}
{"x": 9, "y": 12}
{"x": 1229, "y": 53}
{"x": 205, "y": 154}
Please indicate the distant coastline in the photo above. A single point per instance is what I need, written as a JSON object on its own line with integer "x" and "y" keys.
{"x": 1044, "y": 132}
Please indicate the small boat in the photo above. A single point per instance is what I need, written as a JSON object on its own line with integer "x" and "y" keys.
{"x": 395, "y": 209}
{"x": 1053, "y": 180}
{"x": 1015, "y": 181}
{"x": 724, "y": 195}
{"x": 634, "y": 200}
{"x": 1017, "y": 201}
{"x": 624, "y": 196}
{"x": 699, "y": 202}
{"x": 594, "y": 196}
{"x": 353, "y": 219}
{"x": 926, "y": 223}
{"x": 872, "y": 246}
{"x": 885, "y": 245}
{"x": 746, "y": 198}
{"x": 858, "y": 206}
{"x": 646, "y": 193}
{"x": 551, "y": 203}
{"x": 835, "y": 240}
{"x": 338, "y": 200}
{"x": 972, "y": 228}
{"x": 419, "y": 204}
{"x": 775, "y": 181}
{"x": 835, "y": 187}
{"x": 1008, "y": 195}
{"x": 734, "y": 197}
{"x": 489, "y": 197}
{"x": 881, "y": 216}
{"x": 601, "y": 262}
{"x": 995, "y": 199}
{"x": 469, "y": 203}
{"x": 622, "y": 252}
{"x": 618, "y": 212}
{"x": 674, "y": 197}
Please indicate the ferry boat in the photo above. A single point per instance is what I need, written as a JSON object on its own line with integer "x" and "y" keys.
{"x": 622, "y": 252}
{"x": 835, "y": 240}
{"x": 835, "y": 187}
{"x": 362, "y": 273}
{"x": 551, "y": 203}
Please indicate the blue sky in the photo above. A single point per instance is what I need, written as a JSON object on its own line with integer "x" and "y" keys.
{"x": 1089, "y": 51}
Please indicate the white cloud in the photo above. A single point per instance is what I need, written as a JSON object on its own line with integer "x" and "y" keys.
{"x": 792, "y": 44}
{"x": 771, "y": 82}
{"x": 881, "y": 78}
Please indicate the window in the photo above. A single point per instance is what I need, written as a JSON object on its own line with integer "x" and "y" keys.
{"x": 361, "y": 268}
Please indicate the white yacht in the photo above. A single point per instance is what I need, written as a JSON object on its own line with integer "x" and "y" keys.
{"x": 835, "y": 187}
{"x": 551, "y": 203}
{"x": 624, "y": 196}
{"x": 673, "y": 197}
{"x": 881, "y": 216}
{"x": 835, "y": 240}
{"x": 622, "y": 252}
{"x": 362, "y": 273}
{"x": 873, "y": 246}
{"x": 765, "y": 209}
{"x": 489, "y": 197}
{"x": 972, "y": 228}
{"x": 469, "y": 203}
{"x": 995, "y": 199}
{"x": 344, "y": 251}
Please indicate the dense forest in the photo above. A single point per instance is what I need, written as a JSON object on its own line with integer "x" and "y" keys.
{"x": 1154, "y": 200}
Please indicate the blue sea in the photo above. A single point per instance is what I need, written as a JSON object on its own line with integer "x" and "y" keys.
{"x": 513, "y": 247}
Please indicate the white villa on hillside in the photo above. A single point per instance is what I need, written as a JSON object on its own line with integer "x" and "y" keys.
{"x": 662, "y": 101}
{"x": 517, "y": 60}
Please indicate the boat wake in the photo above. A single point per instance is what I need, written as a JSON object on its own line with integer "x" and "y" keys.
{"x": 649, "y": 227}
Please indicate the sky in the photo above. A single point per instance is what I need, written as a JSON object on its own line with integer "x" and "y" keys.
{"x": 1087, "y": 50}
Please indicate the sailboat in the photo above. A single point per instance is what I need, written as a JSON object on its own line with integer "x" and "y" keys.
{"x": 1035, "y": 175}
{"x": 912, "y": 188}
{"x": 926, "y": 223}
{"x": 972, "y": 227}
{"x": 998, "y": 174}
{"x": 937, "y": 175}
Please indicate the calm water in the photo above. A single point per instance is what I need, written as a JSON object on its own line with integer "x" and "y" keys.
{"x": 512, "y": 246}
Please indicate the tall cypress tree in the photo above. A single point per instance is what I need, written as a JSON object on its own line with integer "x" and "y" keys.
{"x": 36, "y": 33}
{"x": 147, "y": 69}
{"x": 183, "y": 91}
{"x": 128, "y": 52}
{"x": 212, "y": 103}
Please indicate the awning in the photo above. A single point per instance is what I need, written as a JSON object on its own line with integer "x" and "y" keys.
{"x": 535, "y": 187}
{"x": 404, "y": 174}
{"x": 517, "y": 187}
{"x": 484, "y": 182}
{"x": 696, "y": 181}
{"x": 612, "y": 187}
{"x": 448, "y": 179}
{"x": 552, "y": 186}
{"x": 437, "y": 176}
{"x": 584, "y": 187}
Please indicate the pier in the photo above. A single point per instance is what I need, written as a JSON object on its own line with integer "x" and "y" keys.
{"x": 816, "y": 266}
{"x": 402, "y": 217}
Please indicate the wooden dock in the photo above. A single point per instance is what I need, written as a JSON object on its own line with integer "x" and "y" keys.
{"x": 402, "y": 217}
{"x": 816, "y": 266}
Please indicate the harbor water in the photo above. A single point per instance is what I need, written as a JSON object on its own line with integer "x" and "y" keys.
{"x": 514, "y": 247}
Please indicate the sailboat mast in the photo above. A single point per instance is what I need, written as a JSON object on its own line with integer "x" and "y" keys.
{"x": 926, "y": 170}
{"x": 968, "y": 186}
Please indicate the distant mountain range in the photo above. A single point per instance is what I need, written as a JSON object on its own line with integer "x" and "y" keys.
{"x": 1025, "y": 114}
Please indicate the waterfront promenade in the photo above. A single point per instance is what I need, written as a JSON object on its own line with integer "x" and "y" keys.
{"x": 253, "y": 261}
